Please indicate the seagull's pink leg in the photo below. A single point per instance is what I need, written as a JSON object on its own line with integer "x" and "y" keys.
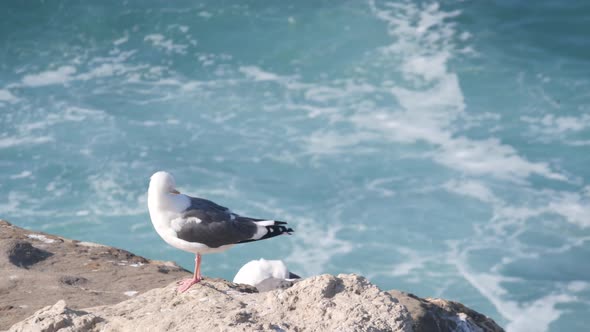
{"x": 199, "y": 267}
{"x": 187, "y": 283}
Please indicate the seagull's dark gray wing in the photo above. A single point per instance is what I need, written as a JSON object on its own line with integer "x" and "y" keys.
{"x": 214, "y": 225}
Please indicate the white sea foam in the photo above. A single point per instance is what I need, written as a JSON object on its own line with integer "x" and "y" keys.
{"x": 550, "y": 127}
{"x": 551, "y": 124}
{"x": 159, "y": 41}
{"x": 425, "y": 115}
{"x": 378, "y": 185}
{"x": 324, "y": 142}
{"x": 428, "y": 115}
{"x": 515, "y": 216}
{"x": 111, "y": 196}
{"x": 58, "y": 187}
{"x": 121, "y": 40}
{"x": 578, "y": 286}
{"x": 74, "y": 113}
{"x": 428, "y": 68}
{"x": 544, "y": 309}
{"x": 115, "y": 56}
{"x": 60, "y": 75}
{"x": 106, "y": 67}
{"x": 258, "y": 74}
{"x": 575, "y": 207}
{"x": 318, "y": 247}
{"x": 9, "y": 142}
{"x": 579, "y": 142}
{"x": 104, "y": 70}
{"x": 22, "y": 175}
{"x": 412, "y": 260}
{"x": 472, "y": 188}
{"x": 7, "y": 96}
{"x": 344, "y": 90}
{"x": 65, "y": 114}
{"x": 491, "y": 157}
{"x": 13, "y": 202}
{"x": 205, "y": 14}
{"x": 314, "y": 111}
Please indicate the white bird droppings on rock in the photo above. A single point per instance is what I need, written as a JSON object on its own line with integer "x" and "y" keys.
{"x": 40, "y": 237}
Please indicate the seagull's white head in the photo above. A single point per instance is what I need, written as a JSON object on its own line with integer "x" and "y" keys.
{"x": 163, "y": 182}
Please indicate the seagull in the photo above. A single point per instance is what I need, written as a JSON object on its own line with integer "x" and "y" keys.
{"x": 256, "y": 271}
{"x": 201, "y": 226}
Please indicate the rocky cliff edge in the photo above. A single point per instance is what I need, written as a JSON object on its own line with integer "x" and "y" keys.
{"x": 107, "y": 291}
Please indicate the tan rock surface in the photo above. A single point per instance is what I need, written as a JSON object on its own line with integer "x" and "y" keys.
{"x": 322, "y": 303}
{"x": 38, "y": 269}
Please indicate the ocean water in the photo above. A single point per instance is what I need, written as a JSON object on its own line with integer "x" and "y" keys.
{"x": 440, "y": 148}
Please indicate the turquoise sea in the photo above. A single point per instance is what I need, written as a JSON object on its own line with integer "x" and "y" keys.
{"x": 441, "y": 148}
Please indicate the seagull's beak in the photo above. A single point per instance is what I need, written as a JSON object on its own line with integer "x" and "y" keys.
{"x": 174, "y": 191}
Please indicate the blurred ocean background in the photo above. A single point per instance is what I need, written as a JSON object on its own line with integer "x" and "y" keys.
{"x": 441, "y": 148}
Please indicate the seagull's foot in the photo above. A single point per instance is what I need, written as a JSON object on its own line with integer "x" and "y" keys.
{"x": 184, "y": 285}
{"x": 180, "y": 282}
